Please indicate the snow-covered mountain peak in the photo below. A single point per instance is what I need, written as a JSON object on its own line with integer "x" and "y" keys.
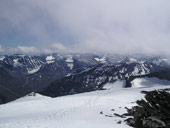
{"x": 2, "y": 58}
{"x": 128, "y": 60}
{"x": 101, "y": 60}
{"x": 50, "y": 59}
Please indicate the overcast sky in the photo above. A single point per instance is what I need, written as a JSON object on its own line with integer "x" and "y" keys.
{"x": 114, "y": 26}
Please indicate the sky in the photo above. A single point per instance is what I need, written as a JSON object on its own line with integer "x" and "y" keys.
{"x": 87, "y": 26}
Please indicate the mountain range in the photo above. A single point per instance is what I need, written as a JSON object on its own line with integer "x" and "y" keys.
{"x": 62, "y": 74}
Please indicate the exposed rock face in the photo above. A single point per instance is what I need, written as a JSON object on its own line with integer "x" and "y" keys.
{"x": 153, "y": 112}
{"x": 153, "y": 122}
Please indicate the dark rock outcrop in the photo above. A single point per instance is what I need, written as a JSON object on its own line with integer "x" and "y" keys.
{"x": 153, "y": 112}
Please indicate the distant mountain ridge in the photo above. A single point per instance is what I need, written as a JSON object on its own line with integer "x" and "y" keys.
{"x": 43, "y": 69}
{"x": 95, "y": 77}
{"x": 71, "y": 73}
{"x": 37, "y": 72}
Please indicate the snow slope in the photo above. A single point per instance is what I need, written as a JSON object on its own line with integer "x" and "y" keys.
{"x": 34, "y": 70}
{"x": 75, "y": 111}
{"x": 50, "y": 59}
{"x": 116, "y": 84}
{"x": 148, "y": 82}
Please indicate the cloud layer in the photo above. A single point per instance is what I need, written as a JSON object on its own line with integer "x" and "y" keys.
{"x": 116, "y": 26}
{"x": 23, "y": 50}
{"x": 1, "y": 49}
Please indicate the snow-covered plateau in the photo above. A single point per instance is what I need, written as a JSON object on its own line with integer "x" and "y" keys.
{"x": 85, "y": 110}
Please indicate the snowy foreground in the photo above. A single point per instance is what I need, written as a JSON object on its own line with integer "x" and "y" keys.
{"x": 75, "y": 111}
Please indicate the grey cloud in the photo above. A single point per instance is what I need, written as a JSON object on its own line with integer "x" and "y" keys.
{"x": 56, "y": 47}
{"x": 1, "y": 48}
{"x": 60, "y": 48}
{"x": 117, "y": 26}
{"x": 24, "y": 50}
